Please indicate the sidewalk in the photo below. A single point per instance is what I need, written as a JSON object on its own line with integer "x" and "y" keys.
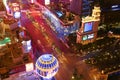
{"x": 24, "y": 76}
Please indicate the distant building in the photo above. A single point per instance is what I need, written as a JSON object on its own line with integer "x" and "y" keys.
{"x": 110, "y": 11}
{"x": 81, "y": 7}
{"x": 86, "y": 9}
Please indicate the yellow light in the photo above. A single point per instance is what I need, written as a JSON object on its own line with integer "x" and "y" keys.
{"x": 29, "y": 67}
{"x": 73, "y": 77}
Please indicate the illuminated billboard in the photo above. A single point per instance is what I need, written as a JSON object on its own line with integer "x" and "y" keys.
{"x": 88, "y": 26}
{"x": 87, "y": 37}
{"x": 90, "y": 36}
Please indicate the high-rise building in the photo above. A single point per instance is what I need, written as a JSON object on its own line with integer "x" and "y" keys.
{"x": 110, "y": 11}
{"x": 86, "y": 8}
{"x": 88, "y": 31}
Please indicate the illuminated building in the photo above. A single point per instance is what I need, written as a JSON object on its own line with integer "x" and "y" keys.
{"x": 47, "y": 66}
{"x": 88, "y": 31}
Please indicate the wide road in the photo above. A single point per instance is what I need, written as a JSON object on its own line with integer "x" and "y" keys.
{"x": 45, "y": 40}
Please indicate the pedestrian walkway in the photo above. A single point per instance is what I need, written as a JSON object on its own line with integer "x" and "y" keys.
{"x": 31, "y": 75}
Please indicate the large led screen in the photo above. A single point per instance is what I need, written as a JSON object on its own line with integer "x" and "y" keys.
{"x": 88, "y": 26}
{"x": 90, "y": 36}
{"x": 87, "y": 37}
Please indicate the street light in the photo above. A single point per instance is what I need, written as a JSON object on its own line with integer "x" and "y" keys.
{"x": 73, "y": 77}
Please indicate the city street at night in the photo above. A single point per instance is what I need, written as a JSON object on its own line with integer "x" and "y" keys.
{"x": 59, "y": 40}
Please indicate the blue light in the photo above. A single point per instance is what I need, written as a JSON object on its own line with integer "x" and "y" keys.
{"x": 47, "y": 66}
{"x": 114, "y": 6}
{"x": 46, "y": 57}
{"x": 88, "y": 26}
